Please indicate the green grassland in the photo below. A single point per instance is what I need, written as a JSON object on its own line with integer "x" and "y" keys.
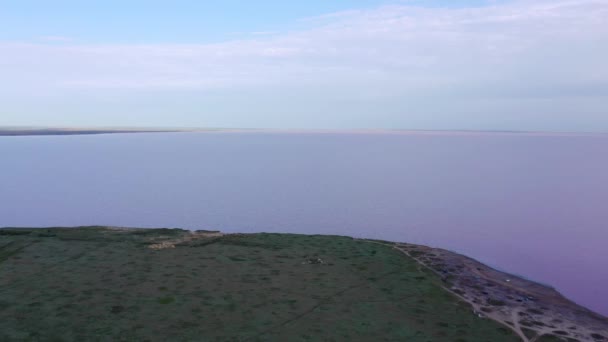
{"x": 97, "y": 284}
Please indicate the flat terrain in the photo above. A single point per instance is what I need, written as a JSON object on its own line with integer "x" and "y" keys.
{"x": 115, "y": 284}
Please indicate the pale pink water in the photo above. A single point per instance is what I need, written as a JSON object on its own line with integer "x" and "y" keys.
{"x": 531, "y": 205}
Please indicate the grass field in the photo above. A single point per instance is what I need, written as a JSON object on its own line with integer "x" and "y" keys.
{"x": 101, "y": 284}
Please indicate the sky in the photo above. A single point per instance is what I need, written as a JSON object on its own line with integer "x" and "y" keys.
{"x": 534, "y": 65}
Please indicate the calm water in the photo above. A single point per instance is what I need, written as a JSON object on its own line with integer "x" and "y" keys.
{"x": 531, "y": 205}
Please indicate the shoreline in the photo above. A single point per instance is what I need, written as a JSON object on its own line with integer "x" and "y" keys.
{"x": 528, "y": 308}
{"x": 66, "y": 131}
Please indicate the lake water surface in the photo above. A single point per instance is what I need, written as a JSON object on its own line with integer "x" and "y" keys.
{"x": 532, "y": 205}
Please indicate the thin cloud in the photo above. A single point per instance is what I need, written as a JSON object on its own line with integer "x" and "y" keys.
{"x": 404, "y": 49}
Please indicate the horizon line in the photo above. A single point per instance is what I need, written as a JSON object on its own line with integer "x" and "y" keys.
{"x": 24, "y": 130}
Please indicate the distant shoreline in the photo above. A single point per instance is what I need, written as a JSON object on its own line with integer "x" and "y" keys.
{"x": 16, "y": 131}
{"x": 67, "y": 131}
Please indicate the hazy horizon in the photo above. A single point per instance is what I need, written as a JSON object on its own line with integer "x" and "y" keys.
{"x": 516, "y": 65}
{"x": 287, "y": 130}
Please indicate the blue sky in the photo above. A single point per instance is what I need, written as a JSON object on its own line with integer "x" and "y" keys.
{"x": 177, "y": 21}
{"x": 522, "y": 64}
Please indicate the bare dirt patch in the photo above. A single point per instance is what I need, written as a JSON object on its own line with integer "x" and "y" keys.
{"x": 188, "y": 237}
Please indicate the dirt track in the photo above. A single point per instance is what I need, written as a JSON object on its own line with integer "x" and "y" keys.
{"x": 530, "y": 309}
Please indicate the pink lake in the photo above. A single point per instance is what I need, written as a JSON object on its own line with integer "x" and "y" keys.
{"x": 532, "y": 205}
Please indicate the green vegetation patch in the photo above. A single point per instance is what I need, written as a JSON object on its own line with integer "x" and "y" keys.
{"x": 101, "y": 284}
{"x": 166, "y": 300}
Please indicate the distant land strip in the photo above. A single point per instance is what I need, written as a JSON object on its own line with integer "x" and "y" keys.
{"x": 70, "y": 131}
{"x": 32, "y": 131}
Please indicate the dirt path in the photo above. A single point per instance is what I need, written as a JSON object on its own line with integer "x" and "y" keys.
{"x": 476, "y": 307}
{"x": 525, "y": 307}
